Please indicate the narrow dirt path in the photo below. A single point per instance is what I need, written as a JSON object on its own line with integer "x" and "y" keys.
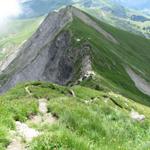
{"x": 16, "y": 144}
{"x": 43, "y": 106}
{"x": 24, "y": 132}
{"x": 44, "y": 116}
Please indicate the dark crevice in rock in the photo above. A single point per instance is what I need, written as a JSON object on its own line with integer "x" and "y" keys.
{"x": 116, "y": 103}
{"x": 49, "y": 55}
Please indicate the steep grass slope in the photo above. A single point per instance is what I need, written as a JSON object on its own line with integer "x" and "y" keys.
{"x": 118, "y": 15}
{"x": 87, "y": 119}
{"x": 109, "y": 59}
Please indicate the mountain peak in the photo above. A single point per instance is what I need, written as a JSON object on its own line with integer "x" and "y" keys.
{"x": 44, "y": 56}
{"x": 48, "y": 55}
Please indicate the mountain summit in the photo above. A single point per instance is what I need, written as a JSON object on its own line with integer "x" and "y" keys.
{"x": 49, "y": 55}
{"x": 72, "y": 47}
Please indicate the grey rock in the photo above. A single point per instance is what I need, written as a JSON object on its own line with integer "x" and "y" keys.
{"x": 48, "y": 54}
{"x": 141, "y": 84}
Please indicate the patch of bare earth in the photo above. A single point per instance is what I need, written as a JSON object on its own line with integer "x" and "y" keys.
{"x": 139, "y": 82}
{"x": 44, "y": 116}
{"x": 16, "y": 144}
{"x": 24, "y": 132}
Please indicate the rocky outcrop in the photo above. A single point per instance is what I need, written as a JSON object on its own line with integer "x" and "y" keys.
{"x": 139, "y": 82}
{"x": 49, "y": 55}
{"x": 136, "y": 116}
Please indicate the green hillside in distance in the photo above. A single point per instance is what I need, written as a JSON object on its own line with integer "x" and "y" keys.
{"x": 114, "y": 12}
{"x": 107, "y": 108}
{"x": 15, "y": 33}
{"x": 126, "y": 19}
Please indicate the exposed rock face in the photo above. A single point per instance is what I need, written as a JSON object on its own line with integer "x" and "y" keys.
{"x": 48, "y": 54}
{"x": 140, "y": 83}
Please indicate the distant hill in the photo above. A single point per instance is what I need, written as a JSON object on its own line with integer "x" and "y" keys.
{"x": 34, "y": 8}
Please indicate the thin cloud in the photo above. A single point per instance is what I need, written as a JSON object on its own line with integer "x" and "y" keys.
{"x": 8, "y": 9}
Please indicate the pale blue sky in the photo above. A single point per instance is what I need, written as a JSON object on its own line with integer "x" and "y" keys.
{"x": 136, "y": 3}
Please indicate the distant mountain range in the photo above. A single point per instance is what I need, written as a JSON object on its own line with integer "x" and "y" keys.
{"x": 32, "y": 8}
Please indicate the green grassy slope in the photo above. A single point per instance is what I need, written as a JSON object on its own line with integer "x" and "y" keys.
{"x": 109, "y": 59}
{"x": 91, "y": 120}
{"x": 124, "y": 23}
{"x": 17, "y": 32}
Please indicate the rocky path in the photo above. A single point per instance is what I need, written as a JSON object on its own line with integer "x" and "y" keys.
{"x": 43, "y": 116}
{"x": 43, "y": 106}
{"x": 16, "y": 144}
{"x": 25, "y": 133}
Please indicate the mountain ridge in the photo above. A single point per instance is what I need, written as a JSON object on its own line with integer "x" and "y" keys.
{"x": 105, "y": 98}
{"x": 46, "y": 57}
{"x": 46, "y": 33}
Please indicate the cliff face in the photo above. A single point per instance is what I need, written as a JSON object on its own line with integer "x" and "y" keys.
{"x": 49, "y": 54}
